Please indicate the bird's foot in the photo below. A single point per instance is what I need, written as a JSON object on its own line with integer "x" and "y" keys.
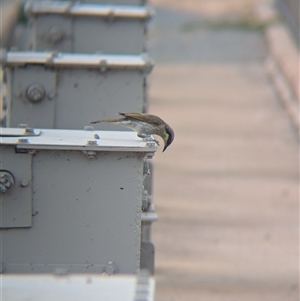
{"x": 156, "y": 141}
{"x": 148, "y": 138}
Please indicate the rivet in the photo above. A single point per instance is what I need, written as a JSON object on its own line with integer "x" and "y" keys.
{"x": 60, "y": 271}
{"x": 23, "y": 140}
{"x": 24, "y": 182}
{"x": 150, "y": 144}
{"x": 18, "y": 94}
{"x": 110, "y": 268}
{"x": 88, "y": 128}
{"x": 22, "y": 125}
{"x": 51, "y": 95}
{"x": 29, "y": 131}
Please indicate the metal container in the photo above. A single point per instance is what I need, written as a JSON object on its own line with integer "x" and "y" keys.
{"x": 71, "y": 27}
{"x": 71, "y": 200}
{"x": 66, "y": 91}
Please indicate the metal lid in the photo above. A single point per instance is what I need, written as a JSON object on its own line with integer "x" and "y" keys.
{"x": 92, "y": 286}
{"x": 76, "y": 140}
{"x": 78, "y": 9}
{"x": 74, "y": 60}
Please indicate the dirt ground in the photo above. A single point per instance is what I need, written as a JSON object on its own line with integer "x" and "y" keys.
{"x": 212, "y": 8}
{"x": 227, "y": 190}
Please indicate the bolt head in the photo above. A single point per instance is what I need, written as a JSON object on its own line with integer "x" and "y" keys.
{"x": 88, "y": 128}
{"x": 7, "y": 180}
{"x": 29, "y": 131}
{"x": 35, "y": 92}
{"x": 24, "y": 182}
{"x": 55, "y": 35}
{"x": 111, "y": 268}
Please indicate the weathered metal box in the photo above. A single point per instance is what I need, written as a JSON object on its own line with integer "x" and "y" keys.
{"x": 66, "y": 91}
{"x": 87, "y": 28}
{"x": 71, "y": 200}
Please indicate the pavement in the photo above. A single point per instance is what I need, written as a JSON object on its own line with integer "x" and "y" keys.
{"x": 226, "y": 191}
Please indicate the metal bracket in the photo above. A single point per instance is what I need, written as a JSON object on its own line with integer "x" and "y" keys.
{"x": 33, "y": 94}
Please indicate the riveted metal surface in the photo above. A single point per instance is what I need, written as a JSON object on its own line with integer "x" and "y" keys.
{"x": 78, "y": 88}
{"x": 21, "y": 108}
{"x": 84, "y": 210}
{"x": 87, "y": 28}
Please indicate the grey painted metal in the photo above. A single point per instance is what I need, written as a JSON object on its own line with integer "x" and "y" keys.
{"x": 72, "y": 89}
{"x": 82, "y": 209}
{"x": 77, "y": 287}
{"x": 87, "y": 28}
{"x": 54, "y": 59}
{"x": 147, "y": 256}
{"x": 88, "y": 9}
{"x": 16, "y": 203}
{"x": 112, "y": 2}
{"x": 149, "y": 216}
{"x": 18, "y": 132}
{"x": 290, "y": 9}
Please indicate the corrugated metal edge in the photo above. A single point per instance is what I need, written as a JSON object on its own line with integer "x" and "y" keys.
{"x": 96, "y": 10}
{"x": 74, "y": 60}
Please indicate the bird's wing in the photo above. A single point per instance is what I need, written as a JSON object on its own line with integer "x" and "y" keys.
{"x": 149, "y": 118}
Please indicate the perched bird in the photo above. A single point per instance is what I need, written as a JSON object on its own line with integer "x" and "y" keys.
{"x": 144, "y": 125}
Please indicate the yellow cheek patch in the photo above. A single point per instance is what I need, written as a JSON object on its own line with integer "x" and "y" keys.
{"x": 166, "y": 137}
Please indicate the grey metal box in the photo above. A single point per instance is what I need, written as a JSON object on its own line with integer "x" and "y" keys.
{"x": 54, "y": 90}
{"x": 72, "y": 200}
{"x": 87, "y": 28}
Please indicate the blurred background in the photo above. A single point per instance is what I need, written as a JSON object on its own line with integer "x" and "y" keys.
{"x": 227, "y": 190}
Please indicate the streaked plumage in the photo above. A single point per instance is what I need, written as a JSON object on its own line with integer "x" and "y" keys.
{"x": 144, "y": 125}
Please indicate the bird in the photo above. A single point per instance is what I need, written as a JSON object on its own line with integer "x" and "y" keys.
{"x": 144, "y": 125}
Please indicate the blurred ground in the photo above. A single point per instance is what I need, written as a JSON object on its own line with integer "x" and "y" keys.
{"x": 212, "y": 8}
{"x": 227, "y": 190}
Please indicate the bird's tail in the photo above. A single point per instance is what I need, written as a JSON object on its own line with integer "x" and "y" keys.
{"x": 106, "y": 121}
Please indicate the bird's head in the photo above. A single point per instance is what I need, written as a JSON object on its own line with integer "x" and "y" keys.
{"x": 168, "y": 136}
